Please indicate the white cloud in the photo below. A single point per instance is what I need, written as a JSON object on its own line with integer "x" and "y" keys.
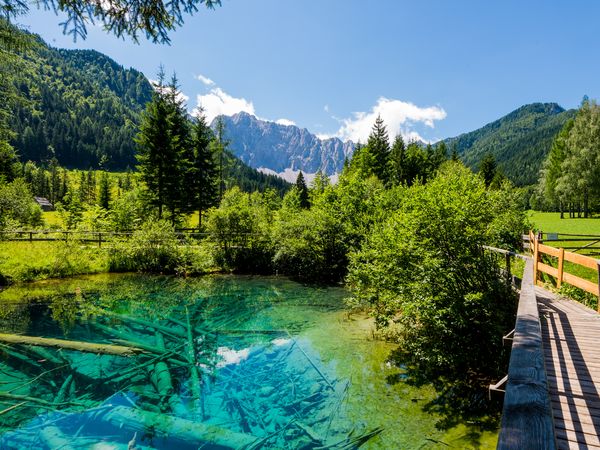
{"x": 218, "y": 102}
{"x": 398, "y": 116}
{"x": 326, "y": 108}
{"x": 286, "y": 122}
{"x": 207, "y": 81}
{"x": 180, "y": 95}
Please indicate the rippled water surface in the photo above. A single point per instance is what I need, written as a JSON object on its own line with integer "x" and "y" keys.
{"x": 216, "y": 362}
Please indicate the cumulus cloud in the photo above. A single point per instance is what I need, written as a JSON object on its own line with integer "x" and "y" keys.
{"x": 218, "y": 102}
{"x": 205, "y": 80}
{"x": 399, "y": 118}
{"x": 326, "y": 108}
{"x": 285, "y": 122}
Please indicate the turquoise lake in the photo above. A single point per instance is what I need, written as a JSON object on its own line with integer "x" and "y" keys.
{"x": 222, "y": 362}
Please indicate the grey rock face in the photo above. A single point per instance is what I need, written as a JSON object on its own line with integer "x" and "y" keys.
{"x": 263, "y": 144}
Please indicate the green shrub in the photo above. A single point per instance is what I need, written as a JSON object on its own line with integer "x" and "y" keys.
{"x": 152, "y": 248}
{"x": 239, "y": 230}
{"x": 429, "y": 283}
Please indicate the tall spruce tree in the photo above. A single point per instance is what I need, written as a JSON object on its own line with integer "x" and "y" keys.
{"x": 178, "y": 162}
{"x": 104, "y": 194}
{"x": 155, "y": 149}
{"x": 302, "y": 191}
{"x": 202, "y": 173}
{"x": 378, "y": 146}
{"x": 220, "y": 145}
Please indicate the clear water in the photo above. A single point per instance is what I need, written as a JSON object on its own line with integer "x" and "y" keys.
{"x": 278, "y": 364}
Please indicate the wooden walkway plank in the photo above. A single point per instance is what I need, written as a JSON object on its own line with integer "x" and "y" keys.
{"x": 571, "y": 342}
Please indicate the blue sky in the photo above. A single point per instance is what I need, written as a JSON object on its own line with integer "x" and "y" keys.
{"x": 431, "y": 68}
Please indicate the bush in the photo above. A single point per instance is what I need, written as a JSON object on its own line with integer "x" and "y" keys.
{"x": 239, "y": 230}
{"x": 430, "y": 285}
{"x": 17, "y": 207}
{"x": 152, "y": 248}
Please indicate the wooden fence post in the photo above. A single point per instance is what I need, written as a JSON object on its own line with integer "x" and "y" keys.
{"x": 598, "y": 287}
{"x": 561, "y": 263}
{"x": 508, "y": 274}
{"x": 536, "y": 256}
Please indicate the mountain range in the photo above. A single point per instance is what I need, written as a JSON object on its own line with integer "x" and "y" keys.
{"x": 83, "y": 108}
{"x": 283, "y": 149}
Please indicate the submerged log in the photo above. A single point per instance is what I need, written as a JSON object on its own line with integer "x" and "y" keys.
{"x": 53, "y": 437}
{"x": 195, "y": 380}
{"x": 105, "y": 349}
{"x": 183, "y": 430}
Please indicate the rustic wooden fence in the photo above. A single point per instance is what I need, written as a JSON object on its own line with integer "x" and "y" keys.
{"x": 538, "y": 249}
{"x": 100, "y": 237}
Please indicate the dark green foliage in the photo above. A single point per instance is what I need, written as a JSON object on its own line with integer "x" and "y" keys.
{"x": 396, "y": 162}
{"x": 78, "y": 106}
{"x": 302, "y": 191}
{"x": 201, "y": 176}
{"x": 128, "y": 18}
{"x": 162, "y": 141}
{"x": 378, "y": 145}
{"x": 519, "y": 141}
{"x": 104, "y": 194}
{"x": 249, "y": 180}
{"x": 487, "y": 169}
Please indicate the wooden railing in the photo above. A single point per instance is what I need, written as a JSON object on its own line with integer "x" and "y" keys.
{"x": 101, "y": 237}
{"x": 527, "y": 421}
{"x": 538, "y": 249}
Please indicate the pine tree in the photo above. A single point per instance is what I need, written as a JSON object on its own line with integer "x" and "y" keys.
{"x": 179, "y": 160}
{"x": 104, "y": 194}
{"x": 487, "y": 169}
{"x": 220, "y": 146}
{"x": 202, "y": 173}
{"x": 155, "y": 148}
{"x": 379, "y": 147}
{"x": 396, "y": 162}
{"x": 302, "y": 191}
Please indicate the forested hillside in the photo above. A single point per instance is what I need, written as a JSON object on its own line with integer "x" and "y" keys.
{"x": 82, "y": 108}
{"x": 518, "y": 141}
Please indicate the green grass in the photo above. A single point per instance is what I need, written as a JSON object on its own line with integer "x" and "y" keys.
{"x": 550, "y": 222}
{"x": 52, "y": 219}
{"x": 29, "y": 261}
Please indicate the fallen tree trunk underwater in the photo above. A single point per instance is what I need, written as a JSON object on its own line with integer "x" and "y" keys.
{"x": 88, "y": 347}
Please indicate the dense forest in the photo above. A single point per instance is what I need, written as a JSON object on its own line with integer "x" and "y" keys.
{"x": 80, "y": 107}
{"x": 519, "y": 141}
{"x": 570, "y": 175}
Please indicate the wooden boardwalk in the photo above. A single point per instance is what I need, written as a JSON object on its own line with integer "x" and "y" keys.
{"x": 571, "y": 346}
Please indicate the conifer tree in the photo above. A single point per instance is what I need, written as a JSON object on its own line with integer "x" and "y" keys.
{"x": 220, "y": 145}
{"x": 155, "y": 147}
{"x": 487, "y": 169}
{"x": 104, "y": 194}
{"x": 302, "y": 191}
{"x": 396, "y": 162}
{"x": 379, "y": 147}
{"x": 202, "y": 174}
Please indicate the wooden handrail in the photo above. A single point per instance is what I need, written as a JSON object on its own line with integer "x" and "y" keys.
{"x": 527, "y": 421}
{"x": 559, "y": 272}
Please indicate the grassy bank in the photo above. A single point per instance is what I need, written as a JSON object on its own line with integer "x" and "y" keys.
{"x": 28, "y": 261}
